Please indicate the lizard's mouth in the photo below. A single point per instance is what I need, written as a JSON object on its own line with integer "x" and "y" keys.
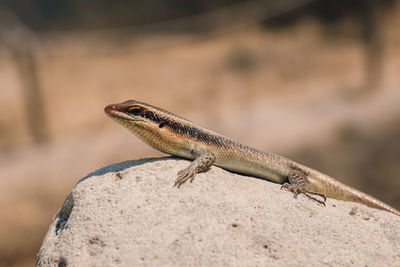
{"x": 118, "y": 114}
{"x": 114, "y": 112}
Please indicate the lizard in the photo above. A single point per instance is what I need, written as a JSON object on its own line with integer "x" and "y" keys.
{"x": 180, "y": 137}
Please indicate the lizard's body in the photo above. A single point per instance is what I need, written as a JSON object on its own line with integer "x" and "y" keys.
{"x": 177, "y": 136}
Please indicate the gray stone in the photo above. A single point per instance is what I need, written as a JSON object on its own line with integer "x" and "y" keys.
{"x": 129, "y": 214}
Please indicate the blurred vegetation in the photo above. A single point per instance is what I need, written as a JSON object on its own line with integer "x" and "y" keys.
{"x": 23, "y": 20}
{"x": 75, "y": 14}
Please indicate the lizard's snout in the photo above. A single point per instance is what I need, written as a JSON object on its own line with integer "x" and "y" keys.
{"x": 118, "y": 107}
{"x": 109, "y": 108}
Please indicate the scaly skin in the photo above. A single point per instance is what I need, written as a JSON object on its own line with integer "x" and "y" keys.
{"x": 177, "y": 136}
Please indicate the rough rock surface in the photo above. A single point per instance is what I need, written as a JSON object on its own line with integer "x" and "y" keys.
{"x": 129, "y": 214}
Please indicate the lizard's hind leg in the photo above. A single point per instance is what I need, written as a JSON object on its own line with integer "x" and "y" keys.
{"x": 298, "y": 185}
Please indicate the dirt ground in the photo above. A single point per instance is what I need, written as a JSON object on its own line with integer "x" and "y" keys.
{"x": 298, "y": 91}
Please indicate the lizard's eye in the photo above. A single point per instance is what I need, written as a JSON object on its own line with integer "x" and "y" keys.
{"x": 136, "y": 111}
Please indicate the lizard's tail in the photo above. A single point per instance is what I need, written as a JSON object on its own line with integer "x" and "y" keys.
{"x": 335, "y": 189}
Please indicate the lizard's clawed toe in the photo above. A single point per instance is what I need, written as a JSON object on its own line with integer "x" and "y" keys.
{"x": 296, "y": 190}
{"x": 184, "y": 175}
{"x": 309, "y": 193}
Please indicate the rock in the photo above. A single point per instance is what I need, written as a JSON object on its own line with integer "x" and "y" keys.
{"x": 129, "y": 214}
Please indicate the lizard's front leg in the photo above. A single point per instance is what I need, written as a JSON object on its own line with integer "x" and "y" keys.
{"x": 204, "y": 159}
{"x": 298, "y": 185}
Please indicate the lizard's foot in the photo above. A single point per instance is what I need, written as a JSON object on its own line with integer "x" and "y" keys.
{"x": 204, "y": 160}
{"x": 184, "y": 175}
{"x": 298, "y": 190}
{"x": 298, "y": 185}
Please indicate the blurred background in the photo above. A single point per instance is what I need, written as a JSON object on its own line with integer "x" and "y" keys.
{"x": 315, "y": 81}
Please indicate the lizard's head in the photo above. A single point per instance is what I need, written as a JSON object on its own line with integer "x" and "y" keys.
{"x": 153, "y": 125}
{"x": 161, "y": 129}
{"x": 136, "y": 115}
